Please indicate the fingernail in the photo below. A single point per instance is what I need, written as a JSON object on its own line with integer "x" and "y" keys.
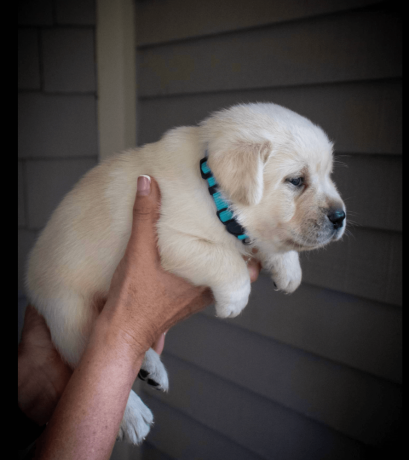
{"x": 143, "y": 185}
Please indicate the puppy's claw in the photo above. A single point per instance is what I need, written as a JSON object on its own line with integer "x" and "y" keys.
{"x": 154, "y": 384}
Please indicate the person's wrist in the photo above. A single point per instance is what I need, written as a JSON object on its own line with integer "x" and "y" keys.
{"x": 115, "y": 332}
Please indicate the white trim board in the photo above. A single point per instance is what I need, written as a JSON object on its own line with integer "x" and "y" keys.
{"x": 116, "y": 75}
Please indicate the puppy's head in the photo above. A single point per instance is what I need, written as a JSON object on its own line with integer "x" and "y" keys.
{"x": 274, "y": 166}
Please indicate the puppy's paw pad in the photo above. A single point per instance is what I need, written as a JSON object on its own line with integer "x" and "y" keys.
{"x": 142, "y": 374}
{"x": 154, "y": 384}
{"x": 154, "y": 372}
{"x": 136, "y": 422}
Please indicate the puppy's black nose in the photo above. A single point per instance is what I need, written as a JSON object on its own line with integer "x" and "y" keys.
{"x": 336, "y": 216}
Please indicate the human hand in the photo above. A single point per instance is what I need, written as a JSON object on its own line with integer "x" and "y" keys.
{"x": 142, "y": 295}
{"x": 254, "y": 268}
{"x": 42, "y": 374}
{"x": 144, "y": 300}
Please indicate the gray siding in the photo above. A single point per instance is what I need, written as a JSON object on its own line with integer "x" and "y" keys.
{"x": 166, "y": 21}
{"x": 57, "y": 120}
{"x": 316, "y": 374}
{"x": 288, "y": 54}
{"x": 57, "y": 124}
{"x": 360, "y": 117}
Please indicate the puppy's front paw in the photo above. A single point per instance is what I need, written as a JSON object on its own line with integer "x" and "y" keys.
{"x": 153, "y": 371}
{"x": 136, "y": 422}
{"x": 286, "y": 271}
{"x": 230, "y": 302}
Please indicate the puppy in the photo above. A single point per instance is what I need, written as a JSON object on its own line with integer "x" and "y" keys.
{"x": 252, "y": 176}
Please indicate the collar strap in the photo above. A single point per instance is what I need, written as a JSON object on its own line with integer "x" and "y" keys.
{"x": 223, "y": 213}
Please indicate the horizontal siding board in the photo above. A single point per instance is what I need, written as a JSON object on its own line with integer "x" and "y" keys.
{"x": 349, "y": 401}
{"x": 372, "y": 190}
{"x": 149, "y": 452}
{"x": 359, "y": 117}
{"x": 57, "y": 126}
{"x": 28, "y": 60}
{"x": 252, "y": 421}
{"x": 347, "y": 47}
{"x": 367, "y": 263}
{"x": 77, "y": 12}
{"x": 35, "y": 13}
{"x": 121, "y": 451}
{"x": 183, "y": 438}
{"x": 160, "y": 21}
{"x": 358, "y": 333}
{"x": 68, "y": 63}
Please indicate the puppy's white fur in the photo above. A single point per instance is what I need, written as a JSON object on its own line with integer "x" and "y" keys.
{"x": 253, "y": 150}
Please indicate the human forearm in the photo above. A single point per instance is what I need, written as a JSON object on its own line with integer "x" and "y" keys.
{"x": 86, "y": 421}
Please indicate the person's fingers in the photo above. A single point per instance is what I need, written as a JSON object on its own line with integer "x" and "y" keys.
{"x": 145, "y": 215}
{"x": 254, "y": 268}
{"x": 147, "y": 202}
{"x": 33, "y": 321}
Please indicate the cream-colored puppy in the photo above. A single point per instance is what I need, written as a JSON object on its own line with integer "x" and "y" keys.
{"x": 272, "y": 167}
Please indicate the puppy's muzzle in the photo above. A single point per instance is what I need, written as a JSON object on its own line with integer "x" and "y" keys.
{"x": 336, "y": 217}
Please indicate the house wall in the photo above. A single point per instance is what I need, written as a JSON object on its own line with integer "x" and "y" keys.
{"x": 68, "y": 119}
{"x": 316, "y": 374}
{"x": 57, "y": 120}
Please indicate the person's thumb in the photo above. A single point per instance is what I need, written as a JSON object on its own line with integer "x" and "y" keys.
{"x": 145, "y": 212}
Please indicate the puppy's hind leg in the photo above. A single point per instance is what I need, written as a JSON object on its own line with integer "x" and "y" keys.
{"x": 70, "y": 319}
{"x": 136, "y": 422}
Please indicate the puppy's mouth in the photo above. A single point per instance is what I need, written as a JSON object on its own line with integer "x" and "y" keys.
{"x": 338, "y": 233}
{"x": 308, "y": 242}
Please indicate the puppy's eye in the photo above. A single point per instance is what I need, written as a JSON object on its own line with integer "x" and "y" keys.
{"x": 297, "y": 182}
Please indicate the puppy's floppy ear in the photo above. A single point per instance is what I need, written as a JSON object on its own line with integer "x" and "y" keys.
{"x": 239, "y": 170}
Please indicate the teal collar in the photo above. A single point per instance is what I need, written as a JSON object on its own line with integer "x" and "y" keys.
{"x": 223, "y": 213}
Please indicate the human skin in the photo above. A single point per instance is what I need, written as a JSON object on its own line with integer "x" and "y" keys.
{"x": 84, "y": 408}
